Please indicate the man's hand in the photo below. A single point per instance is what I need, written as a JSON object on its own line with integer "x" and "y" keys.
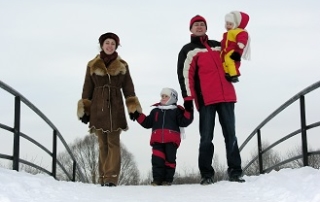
{"x": 188, "y": 105}
{"x": 235, "y": 56}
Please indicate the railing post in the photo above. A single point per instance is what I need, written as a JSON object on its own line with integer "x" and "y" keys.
{"x": 16, "y": 134}
{"x": 54, "y": 154}
{"x": 303, "y": 131}
{"x": 74, "y": 171}
{"x": 260, "y": 151}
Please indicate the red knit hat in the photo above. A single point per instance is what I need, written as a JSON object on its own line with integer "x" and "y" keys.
{"x": 197, "y": 18}
{"x": 109, "y": 35}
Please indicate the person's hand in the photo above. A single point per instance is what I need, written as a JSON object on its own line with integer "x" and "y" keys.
{"x": 235, "y": 56}
{"x": 134, "y": 116}
{"x": 188, "y": 105}
{"x": 85, "y": 119}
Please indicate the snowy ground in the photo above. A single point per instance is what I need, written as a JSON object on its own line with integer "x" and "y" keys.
{"x": 287, "y": 185}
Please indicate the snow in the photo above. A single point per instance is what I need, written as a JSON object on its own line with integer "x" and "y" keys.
{"x": 286, "y": 185}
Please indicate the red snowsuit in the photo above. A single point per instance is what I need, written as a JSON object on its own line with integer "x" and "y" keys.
{"x": 229, "y": 44}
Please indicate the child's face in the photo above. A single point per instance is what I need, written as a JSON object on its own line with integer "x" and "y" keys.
{"x": 164, "y": 99}
{"x": 229, "y": 25}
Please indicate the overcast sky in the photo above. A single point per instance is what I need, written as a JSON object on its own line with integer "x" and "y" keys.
{"x": 45, "y": 47}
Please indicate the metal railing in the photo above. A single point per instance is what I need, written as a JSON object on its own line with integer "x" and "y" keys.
{"x": 304, "y": 127}
{"x": 17, "y": 134}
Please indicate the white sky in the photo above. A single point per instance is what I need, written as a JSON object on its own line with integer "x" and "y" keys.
{"x": 45, "y": 46}
{"x": 287, "y": 185}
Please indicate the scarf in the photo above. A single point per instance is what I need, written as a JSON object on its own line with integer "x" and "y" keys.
{"x": 167, "y": 106}
{"x": 107, "y": 59}
{"x": 247, "y": 50}
{"x": 204, "y": 40}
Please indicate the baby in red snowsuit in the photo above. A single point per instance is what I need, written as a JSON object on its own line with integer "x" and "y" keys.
{"x": 235, "y": 44}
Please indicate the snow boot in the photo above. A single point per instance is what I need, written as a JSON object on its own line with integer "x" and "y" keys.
{"x": 236, "y": 179}
{"x": 206, "y": 181}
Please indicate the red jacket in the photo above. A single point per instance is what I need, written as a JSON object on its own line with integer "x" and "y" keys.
{"x": 166, "y": 123}
{"x": 201, "y": 75}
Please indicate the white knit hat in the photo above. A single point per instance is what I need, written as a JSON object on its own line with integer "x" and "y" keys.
{"x": 172, "y": 94}
{"x": 234, "y": 17}
{"x": 230, "y": 18}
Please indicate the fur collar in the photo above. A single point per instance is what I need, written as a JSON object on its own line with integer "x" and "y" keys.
{"x": 97, "y": 66}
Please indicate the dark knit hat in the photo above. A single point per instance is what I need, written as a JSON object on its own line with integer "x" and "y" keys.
{"x": 197, "y": 18}
{"x": 109, "y": 35}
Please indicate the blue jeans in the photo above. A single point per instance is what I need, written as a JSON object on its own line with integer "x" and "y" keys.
{"x": 206, "y": 148}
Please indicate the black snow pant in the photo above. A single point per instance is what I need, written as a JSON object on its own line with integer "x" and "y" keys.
{"x": 163, "y": 161}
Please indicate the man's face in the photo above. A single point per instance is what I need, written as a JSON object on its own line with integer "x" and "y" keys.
{"x": 199, "y": 28}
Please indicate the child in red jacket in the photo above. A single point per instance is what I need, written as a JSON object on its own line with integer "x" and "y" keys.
{"x": 165, "y": 121}
{"x": 235, "y": 44}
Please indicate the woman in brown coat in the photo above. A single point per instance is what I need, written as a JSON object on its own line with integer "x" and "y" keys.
{"x": 102, "y": 105}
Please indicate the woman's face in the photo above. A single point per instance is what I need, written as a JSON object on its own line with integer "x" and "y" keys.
{"x": 109, "y": 46}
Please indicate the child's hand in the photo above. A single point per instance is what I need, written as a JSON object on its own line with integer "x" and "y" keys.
{"x": 134, "y": 116}
{"x": 241, "y": 45}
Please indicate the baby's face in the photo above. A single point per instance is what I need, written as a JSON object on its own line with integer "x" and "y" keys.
{"x": 229, "y": 25}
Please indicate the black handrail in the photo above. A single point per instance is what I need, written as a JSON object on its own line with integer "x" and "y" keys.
{"x": 17, "y": 134}
{"x": 302, "y": 130}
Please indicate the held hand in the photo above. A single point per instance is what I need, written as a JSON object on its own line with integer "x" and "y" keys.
{"x": 235, "y": 56}
{"x": 188, "y": 105}
{"x": 85, "y": 119}
{"x": 134, "y": 116}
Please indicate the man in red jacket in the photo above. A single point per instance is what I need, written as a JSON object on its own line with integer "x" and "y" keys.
{"x": 202, "y": 79}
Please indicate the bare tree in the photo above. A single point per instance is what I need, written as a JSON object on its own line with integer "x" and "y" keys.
{"x": 313, "y": 160}
{"x": 220, "y": 170}
{"x": 86, "y": 153}
{"x": 269, "y": 159}
{"x": 194, "y": 177}
{"x": 29, "y": 169}
{"x": 129, "y": 174}
{"x": 187, "y": 178}
{"x": 147, "y": 180}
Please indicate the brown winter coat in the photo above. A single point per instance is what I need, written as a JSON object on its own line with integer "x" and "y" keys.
{"x": 102, "y": 97}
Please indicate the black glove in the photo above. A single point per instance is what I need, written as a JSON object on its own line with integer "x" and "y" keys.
{"x": 188, "y": 105}
{"x": 85, "y": 119}
{"x": 235, "y": 56}
{"x": 134, "y": 116}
